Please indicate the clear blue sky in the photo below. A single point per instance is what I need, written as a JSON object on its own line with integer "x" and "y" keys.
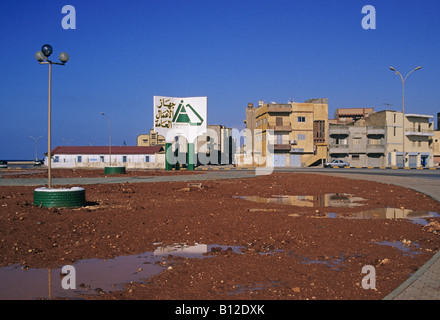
{"x": 124, "y": 52}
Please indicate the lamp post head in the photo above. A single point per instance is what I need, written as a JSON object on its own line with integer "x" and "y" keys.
{"x": 47, "y": 50}
{"x": 102, "y": 113}
{"x": 418, "y": 68}
{"x": 64, "y": 57}
{"x": 40, "y": 56}
{"x": 391, "y": 68}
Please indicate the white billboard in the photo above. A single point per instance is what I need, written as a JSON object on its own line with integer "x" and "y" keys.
{"x": 174, "y": 116}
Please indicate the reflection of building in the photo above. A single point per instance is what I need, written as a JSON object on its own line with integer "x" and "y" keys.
{"x": 152, "y": 139}
{"x": 377, "y": 140}
{"x": 99, "y": 157}
{"x": 335, "y": 200}
{"x": 292, "y": 134}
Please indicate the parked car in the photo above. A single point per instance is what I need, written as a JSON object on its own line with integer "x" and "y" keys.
{"x": 3, "y": 164}
{"x": 336, "y": 163}
{"x": 38, "y": 162}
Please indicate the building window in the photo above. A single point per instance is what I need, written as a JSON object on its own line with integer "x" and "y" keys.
{"x": 357, "y": 141}
{"x": 79, "y": 159}
{"x": 102, "y": 158}
{"x": 147, "y": 158}
{"x": 301, "y": 136}
{"x": 301, "y": 119}
{"x": 394, "y": 131}
{"x": 124, "y": 158}
{"x": 279, "y": 121}
{"x": 354, "y": 157}
{"x": 57, "y": 159}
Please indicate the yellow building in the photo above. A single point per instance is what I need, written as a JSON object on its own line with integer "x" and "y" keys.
{"x": 293, "y": 134}
{"x": 152, "y": 139}
{"x": 435, "y": 147}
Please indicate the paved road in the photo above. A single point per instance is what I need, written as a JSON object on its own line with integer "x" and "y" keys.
{"x": 423, "y": 285}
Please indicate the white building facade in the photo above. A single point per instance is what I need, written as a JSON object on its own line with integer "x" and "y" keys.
{"x": 131, "y": 157}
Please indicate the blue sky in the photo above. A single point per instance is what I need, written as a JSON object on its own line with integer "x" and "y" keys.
{"x": 124, "y": 52}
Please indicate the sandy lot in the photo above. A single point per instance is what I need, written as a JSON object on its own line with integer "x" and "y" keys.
{"x": 302, "y": 250}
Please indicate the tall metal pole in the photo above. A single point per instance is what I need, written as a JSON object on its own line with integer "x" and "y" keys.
{"x": 403, "y": 109}
{"x": 35, "y": 139}
{"x": 49, "y": 156}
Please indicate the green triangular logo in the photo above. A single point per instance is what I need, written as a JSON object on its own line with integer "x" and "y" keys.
{"x": 187, "y": 115}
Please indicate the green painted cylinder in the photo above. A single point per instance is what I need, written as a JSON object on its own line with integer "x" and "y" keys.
{"x": 168, "y": 165}
{"x": 114, "y": 170}
{"x": 60, "y": 198}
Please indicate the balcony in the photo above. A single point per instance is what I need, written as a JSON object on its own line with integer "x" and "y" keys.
{"x": 339, "y": 130}
{"x": 376, "y": 148}
{"x": 338, "y": 148}
{"x": 377, "y": 131}
{"x": 281, "y": 147}
{"x": 279, "y": 128}
{"x": 419, "y": 132}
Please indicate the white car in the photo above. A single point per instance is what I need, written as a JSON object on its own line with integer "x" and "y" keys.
{"x": 336, "y": 163}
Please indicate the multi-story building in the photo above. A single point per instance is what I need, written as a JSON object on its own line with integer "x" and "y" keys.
{"x": 152, "y": 139}
{"x": 435, "y": 143}
{"x": 358, "y": 144}
{"x": 216, "y": 146}
{"x": 292, "y": 134}
{"x": 378, "y": 140}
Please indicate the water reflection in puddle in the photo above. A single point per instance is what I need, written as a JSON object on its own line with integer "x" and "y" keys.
{"x": 94, "y": 275}
{"x": 406, "y": 248}
{"x": 414, "y": 216}
{"x": 344, "y": 200}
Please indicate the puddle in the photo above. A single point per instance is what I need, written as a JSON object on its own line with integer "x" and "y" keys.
{"x": 406, "y": 248}
{"x": 341, "y": 200}
{"x": 95, "y": 275}
{"x": 414, "y": 216}
{"x": 239, "y": 289}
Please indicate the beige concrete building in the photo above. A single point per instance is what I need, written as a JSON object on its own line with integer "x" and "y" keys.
{"x": 152, "y": 139}
{"x": 419, "y": 129}
{"x": 292, "y": 134}
{"x": 435, "y": 143}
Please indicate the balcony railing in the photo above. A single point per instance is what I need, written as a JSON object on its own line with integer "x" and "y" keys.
{"x": 375, "y": 131}
{"x": 375, "y": 148}
{"x": 279, "y": 128}
{"x": 339, "y": 130}
{"x": 421, "y": 132}
{"x": 338, "y": 148}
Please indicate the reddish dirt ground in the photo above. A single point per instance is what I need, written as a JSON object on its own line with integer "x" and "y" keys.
{"x": 277, "y": 239}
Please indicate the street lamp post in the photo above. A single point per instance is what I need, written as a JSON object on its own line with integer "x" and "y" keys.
{"x": 403, "y": 109}
{"x": 35, "y": 139}
{"x": 110, "y": 137}
{"x": 43, "y": 58}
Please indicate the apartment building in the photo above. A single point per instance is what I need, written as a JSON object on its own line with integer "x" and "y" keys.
{"x": 216, "y": 146}
{"x": 378, "y": 139}
{"x": 151, "y": 139}
{"x": 435, "y": 143}
{"x": 292, "y": 134}
{"x": 358, "y": 144}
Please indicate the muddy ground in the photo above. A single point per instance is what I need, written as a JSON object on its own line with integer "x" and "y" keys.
{"x": 287, "y": 252}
